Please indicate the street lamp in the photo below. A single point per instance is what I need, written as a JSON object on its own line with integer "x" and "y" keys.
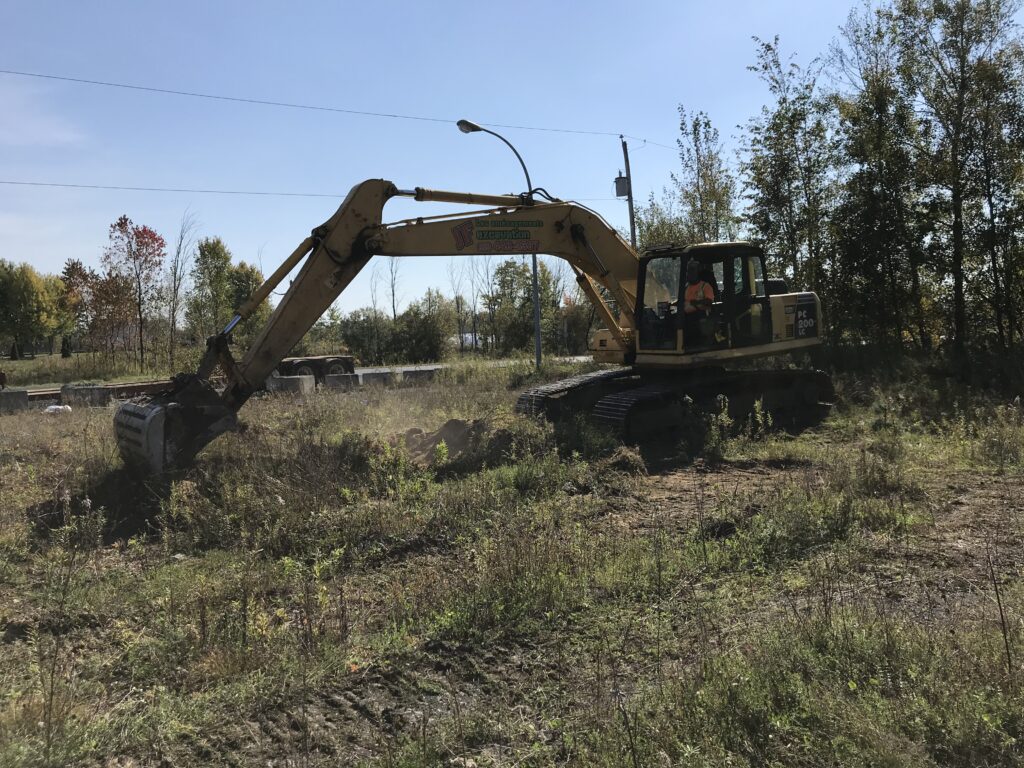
{"x": 468, "y": 126}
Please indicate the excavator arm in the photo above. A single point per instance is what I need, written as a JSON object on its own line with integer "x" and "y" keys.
{"x": 169, "y": 430}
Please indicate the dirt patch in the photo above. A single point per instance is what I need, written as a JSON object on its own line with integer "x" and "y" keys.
{"x": 458, "y": 436}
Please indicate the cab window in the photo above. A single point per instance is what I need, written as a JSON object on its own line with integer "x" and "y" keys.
{"x": 758, "y": 273}
{"x": 739, "y": 277}
{"x": 661, "y": 297}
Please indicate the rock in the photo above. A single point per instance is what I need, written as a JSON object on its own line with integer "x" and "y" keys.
{"x": 300, "y": 385}
{"x": 341, "y": 381}
{"x": 12, "y": 400}
{"x": 418, "y": 375}
{"x": 380, "y": 378}
{"x": 85, "y": 394}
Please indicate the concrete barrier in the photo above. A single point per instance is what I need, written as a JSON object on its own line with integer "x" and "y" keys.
{"x": 341, "y": 381}
{"x": 300, "y": 385}
{"x": 85, "y": 394}
{"x": 419, "y": 375}
{"x": 12, "y": 400}
{"x": 380, "y": 378}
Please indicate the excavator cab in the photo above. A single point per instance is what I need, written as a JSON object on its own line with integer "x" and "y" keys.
{"x": 740, "y": 314}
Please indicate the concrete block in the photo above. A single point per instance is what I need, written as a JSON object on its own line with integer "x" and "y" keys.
{"x": 419, "y": 375}
{"x": 12, "y": 400}
{"x": 342, "y": 381}
{"x": 299, "y": 385}
{"x": 380, "y": 378}
{"x": 85, "y": 394}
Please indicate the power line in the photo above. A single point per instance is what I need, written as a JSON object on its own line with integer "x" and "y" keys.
{"x": 167, "y": 189}
{"x": 209, "y": 191}
{"x": 315, "y": 107}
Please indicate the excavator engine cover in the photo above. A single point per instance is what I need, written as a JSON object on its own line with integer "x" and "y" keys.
{"x": 166, "y": 432}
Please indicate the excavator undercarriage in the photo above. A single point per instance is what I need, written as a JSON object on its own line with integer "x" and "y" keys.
{"x": 640, "y": 405}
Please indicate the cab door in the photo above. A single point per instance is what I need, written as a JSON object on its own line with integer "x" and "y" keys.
{"x": 658, "y": 328}
{"x": 749, "y": 308}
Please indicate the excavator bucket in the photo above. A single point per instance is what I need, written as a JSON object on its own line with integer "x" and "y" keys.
{"x": 166, "y": 432}
{"x": 140, "y": 435}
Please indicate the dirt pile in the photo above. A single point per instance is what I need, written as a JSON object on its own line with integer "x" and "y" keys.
{"x": 458, "y": 436}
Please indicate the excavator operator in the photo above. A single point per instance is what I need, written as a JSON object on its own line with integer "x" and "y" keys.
{"x": 697, "y": 301}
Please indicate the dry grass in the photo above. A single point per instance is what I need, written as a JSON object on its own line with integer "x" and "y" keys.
{"x": 309, "y": 595}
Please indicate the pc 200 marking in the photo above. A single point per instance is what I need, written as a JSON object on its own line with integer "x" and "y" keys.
{"x": 806, "y": 318}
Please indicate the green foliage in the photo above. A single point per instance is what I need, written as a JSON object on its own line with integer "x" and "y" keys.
{"x": 852, "y": 688}
{"x": 209, "y": 304}
{"x": 29, "y": 305}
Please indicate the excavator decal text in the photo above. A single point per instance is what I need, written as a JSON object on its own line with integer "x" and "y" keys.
{"x": 509, "y": 246}
{"x": 498, "y": 235}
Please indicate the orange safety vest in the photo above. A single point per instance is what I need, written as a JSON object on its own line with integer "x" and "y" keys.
{"x": 696, "y": 292}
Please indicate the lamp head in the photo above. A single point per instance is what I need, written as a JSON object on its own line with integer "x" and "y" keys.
{"x": 468, "y": 126}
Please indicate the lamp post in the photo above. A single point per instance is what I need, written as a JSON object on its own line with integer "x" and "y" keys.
{"x": 467, "y": 126}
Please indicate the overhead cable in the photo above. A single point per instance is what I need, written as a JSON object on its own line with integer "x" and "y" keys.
{"x": 187, "y": 190}
{"x": 315, "y": 107}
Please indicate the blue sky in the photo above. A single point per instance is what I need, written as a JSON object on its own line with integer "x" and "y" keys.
{"x": 605, "y": 66}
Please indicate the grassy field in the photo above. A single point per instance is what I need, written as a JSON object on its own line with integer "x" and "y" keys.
{"x": 54, "y": 370}
{"x": 324, "y": 589}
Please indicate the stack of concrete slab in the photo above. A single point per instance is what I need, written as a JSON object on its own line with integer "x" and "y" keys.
{"x": 341, "y": 381}
{"x": 378, "y": 378}
{"x": 85, "y": 394}
{"x": 299, "y": 385}
{"x": 419, "y": 375}
{"x": 12, "y": 400}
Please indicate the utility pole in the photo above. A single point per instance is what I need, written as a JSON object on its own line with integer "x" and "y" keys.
{"x": 536, "y": 314}
{"x": 629, "y": 193}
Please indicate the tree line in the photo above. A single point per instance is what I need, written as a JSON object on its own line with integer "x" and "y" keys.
{"x": 154, "y": 302}
{"x": 488, "y": 310}
{"x": 887, "y": 175}
{"x": 144, "y": 300}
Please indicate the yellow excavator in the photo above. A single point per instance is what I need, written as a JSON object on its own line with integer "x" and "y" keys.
{"x": 668, "y": 359}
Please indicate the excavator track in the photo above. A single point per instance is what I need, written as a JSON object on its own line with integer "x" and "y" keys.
{"x": 646, "y": 404}
{"x": 635, "y": 413}
{"x": 549, "y": 400}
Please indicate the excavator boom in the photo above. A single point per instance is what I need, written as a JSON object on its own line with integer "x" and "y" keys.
{"x": 170, "y": 429}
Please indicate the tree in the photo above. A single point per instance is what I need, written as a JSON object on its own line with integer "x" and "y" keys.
{"x": 456, "y": 280}
{"x": 177, "y": 271}
{"x": 136, "y": 252}
{"x": 424, "y": 330}
{"x": 701, "y": 206}
{"x": 29, "y": 306}
{"x": 243, "y": 280}
{"x": 661, "y": 222}
{"x": 705, "y": 184}
{"x": 947, "y": 46}
{"x": 509, "y": 303}
{"x": 787, "y": 166}
{"x": 77, "y": 300}
{"x": 877, "y": 244}
{"x": 208, "y": 306}
{"x": 111, "y": 311}
{"x": 393, "y": 270}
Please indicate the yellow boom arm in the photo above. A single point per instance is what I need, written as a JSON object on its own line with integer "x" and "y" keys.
{"x": 343, "y": 245}
{"x": 171, "y": 429}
